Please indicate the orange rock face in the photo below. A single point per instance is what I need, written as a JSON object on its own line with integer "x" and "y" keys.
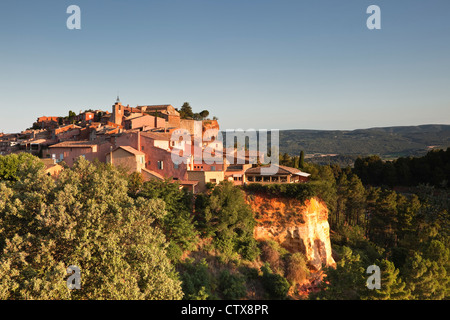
{"x": 296, "y": 226}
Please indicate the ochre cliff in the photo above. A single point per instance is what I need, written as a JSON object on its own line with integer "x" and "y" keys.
{"x": 296, "y": 226}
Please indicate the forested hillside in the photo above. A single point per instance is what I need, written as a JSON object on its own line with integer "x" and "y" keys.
{"x": 388, "y": 142}
{"x": 407, "y": 234}
{"x": 152, "y": 240}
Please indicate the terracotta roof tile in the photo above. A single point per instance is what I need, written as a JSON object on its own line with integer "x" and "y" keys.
{"x": 281, "y": 170}
{"x": 74, "y": 144}
{"x": 157, "y": 135}
{"x": 130, "y": 150}
{"x": 153, "y": 173}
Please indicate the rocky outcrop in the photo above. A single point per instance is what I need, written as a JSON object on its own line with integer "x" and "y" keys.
{"x": 296, "y": 226}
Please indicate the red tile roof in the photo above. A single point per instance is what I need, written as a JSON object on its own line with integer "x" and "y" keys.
{"x": 188, "y": 182}
{"x": 153, "y": 173}
{"x": 157, "y": 135}
{"x": 282, "y": 170}
{"x": 131, "y": 150}
{"x": 75, "y": 144}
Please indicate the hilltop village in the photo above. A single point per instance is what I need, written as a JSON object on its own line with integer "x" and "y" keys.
{"x": 139, "y": 139}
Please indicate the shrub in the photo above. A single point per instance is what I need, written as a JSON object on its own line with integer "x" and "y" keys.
{"x": 196, "y": 281}
{"x": 296, "y": 269}
{"x": 301, "y": 191}
{"x": 232, "y": 285}
{"x": 271, "y": 255}
{"x": 276, "y": 285}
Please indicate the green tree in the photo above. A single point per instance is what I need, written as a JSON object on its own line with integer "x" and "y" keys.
{"x": 177, "y": 224}
{"x": 85, "y": 218}
{"x": 12, "y": 164}
{"x": 392, "y": 286}
{"x": 355, "y": 205}
{"x": 196, "y": 281}
{"x": 231, "y": 220}
{"x": 346, "y": 281}
{"x": 427, "y": 272}
{"x": 275, "y": 284}
{"x": 72, "y": 116}
{"x": 186, "y": 111}
{"x": 232, "y": 285}
{"x": 301, "y": 161}
{"x": 285, "y": 160}
{"x": 204, "y": 114}
{"x": 383, "y": 218}
{"x": 296, "y": 269}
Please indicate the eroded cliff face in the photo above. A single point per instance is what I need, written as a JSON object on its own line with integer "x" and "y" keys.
{"x": 296, "y": 226}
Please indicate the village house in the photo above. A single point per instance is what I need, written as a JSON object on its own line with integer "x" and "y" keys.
{"x": 85, "y": 117}
{"x": 191, "y": 186}
{"x": 69, "y": 151}
{"x": 51, "y": 167}
{"x": 284, "y": 174}
{"x": 204, "y": 177}
{"x": 157, "y": 147}
{"x": 165, "y": 111}
{"x": 140, "y": 140}
{"x": 144, "y": 122}
{"x": 67, "y": 132}
{"x": 9, "y": 143}
{"x": 128, "y": 158}
{"x": 236, "y": 173}
{"x": 35, "y": 146}
{"x": 47, "y": 122}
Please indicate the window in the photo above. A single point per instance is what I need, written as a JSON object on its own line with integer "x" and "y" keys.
{"x": 176, "y": 165}
{"x": 160, "y": 165}
{"x": 212, "y": 180}
{"x": 142, "y": 148}
{"x": 213, "y": 168}
{"x": 142, "y": 160}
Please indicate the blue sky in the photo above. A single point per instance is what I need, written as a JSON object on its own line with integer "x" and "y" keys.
{"x": 274, "y": 64}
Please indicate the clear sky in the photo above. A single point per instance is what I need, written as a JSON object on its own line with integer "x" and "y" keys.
{"x": 273, "y": 64}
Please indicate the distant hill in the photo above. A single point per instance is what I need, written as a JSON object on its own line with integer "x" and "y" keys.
{"x": 387, "y": 142}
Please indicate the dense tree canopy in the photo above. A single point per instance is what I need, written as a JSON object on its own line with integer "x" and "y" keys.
{"x": 85, "y": 218}
{"x": 154, "y": 240}
{"x": 432, "y": 169}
